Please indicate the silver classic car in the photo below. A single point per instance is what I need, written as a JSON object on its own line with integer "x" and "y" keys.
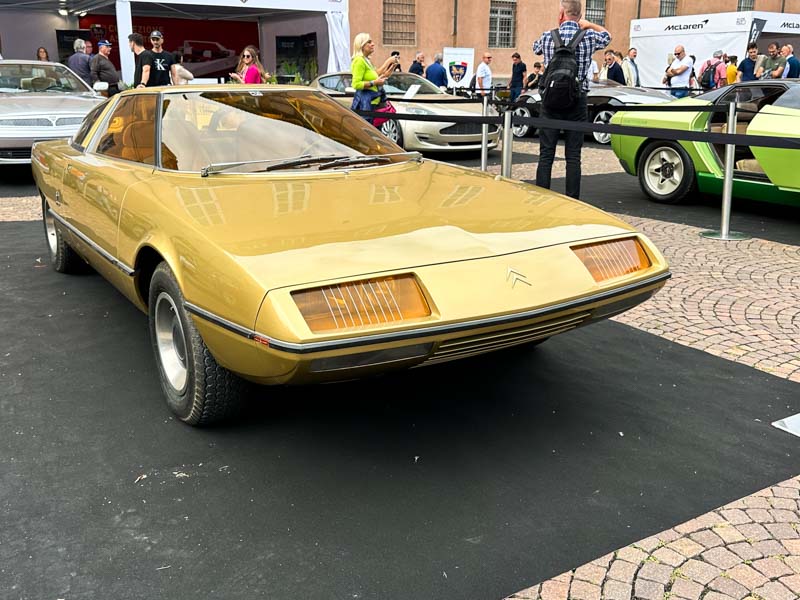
{"x": 39, "y": 101}
{"x": 402, "y": 89}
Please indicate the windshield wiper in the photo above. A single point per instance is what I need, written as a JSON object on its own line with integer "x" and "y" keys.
{"x": 274, "y": 163}
{"x": 368, "y": 158}
{"x": 329, "y": 161}
{"x": 306, "y": 159}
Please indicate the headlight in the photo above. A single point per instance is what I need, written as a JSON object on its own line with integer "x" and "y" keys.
{"x": 606, "y": 260}
{"x": 418, "y": 110}
{"x": 365, "y": 303}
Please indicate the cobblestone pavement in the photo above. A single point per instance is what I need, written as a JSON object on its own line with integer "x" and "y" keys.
{"x": 737, "y": 300}
{"x": 749, "y": 548}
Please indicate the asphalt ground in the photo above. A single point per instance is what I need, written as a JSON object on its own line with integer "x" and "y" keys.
{"x": 467, "y": 480}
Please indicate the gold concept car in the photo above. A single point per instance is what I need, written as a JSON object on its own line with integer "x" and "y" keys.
{"x": 273, "y": 236}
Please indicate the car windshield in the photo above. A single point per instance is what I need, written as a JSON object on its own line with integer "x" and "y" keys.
{"x": 605, "y": 83}
{"x": 400, "y": 83}
{"x": 199, "y": 129}
{"x": 20, "y": 78}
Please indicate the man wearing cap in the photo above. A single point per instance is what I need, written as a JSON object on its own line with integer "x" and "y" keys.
{"x": 158, "y": 67}
{"x": 103, "y": 69}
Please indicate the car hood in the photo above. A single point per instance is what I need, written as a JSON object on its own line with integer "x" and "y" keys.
{"x": 292, "y": 230}
{"x": 440, "y": 104}
{"x": 46, "y": 103}
{"x": 632, "y": 95}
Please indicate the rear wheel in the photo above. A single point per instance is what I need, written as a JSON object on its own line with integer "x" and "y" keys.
{"x": 666, "y": 173}
{"x": 197, "y": 389}
{"x": 391, "y": 129}
{"x": 62, "y": 257}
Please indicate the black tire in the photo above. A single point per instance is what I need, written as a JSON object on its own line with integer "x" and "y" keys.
{"x": 207, "y": 393}
{"x": 62, "y": 257}
{"x": 666, "y": 173}
{"x": 391, "y": 129}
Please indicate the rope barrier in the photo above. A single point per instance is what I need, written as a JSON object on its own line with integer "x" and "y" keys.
{"x": 738, "y": 139}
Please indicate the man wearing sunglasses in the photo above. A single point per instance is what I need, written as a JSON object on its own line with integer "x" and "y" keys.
{"x": 158, "y": 67}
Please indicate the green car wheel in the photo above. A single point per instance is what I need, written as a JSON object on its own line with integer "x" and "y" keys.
{"x": 666, "y": 173}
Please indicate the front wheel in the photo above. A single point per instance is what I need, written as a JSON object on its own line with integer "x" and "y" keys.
{"x": 391, "y": 129}
{"x": 521, "y": 130}
{"x": 62, "y": 257}
{"x": 198, "y": 390}
{"x": 604, "y": 118}
{"x": 666, "y": 173}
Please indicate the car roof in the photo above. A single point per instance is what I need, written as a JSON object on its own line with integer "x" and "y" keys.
{"x": 222, "y": 87}
{"x": 25, "y": 61}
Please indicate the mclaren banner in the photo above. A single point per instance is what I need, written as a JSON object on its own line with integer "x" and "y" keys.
{"x": 702, "y": 35}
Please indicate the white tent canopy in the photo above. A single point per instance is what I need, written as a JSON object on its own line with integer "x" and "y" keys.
{"x": 701, "y": 35}
{"x": 336, "y": 13}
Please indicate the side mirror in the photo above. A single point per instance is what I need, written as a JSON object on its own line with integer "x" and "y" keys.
{"x": 100, "y": 86}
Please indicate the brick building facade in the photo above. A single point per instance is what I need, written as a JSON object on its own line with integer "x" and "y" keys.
{"x": 506, "y": 26}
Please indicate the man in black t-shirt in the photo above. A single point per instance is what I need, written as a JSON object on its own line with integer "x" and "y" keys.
{"x": 519, "y": 72}
{"x": 136, "y": 44}
{"x": 157, "y": 66}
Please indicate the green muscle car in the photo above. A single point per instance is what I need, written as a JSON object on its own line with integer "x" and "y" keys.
{"x": 669, "y": 171}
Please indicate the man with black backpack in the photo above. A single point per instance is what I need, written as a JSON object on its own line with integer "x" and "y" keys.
{"x": 568, "y": 55}
{"x": 714, "y": 72}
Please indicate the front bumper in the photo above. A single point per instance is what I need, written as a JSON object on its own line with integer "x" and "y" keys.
{"x": 452, "y": 137}
{"x": 15, "y": 146}
{"x": 267, "y": 360}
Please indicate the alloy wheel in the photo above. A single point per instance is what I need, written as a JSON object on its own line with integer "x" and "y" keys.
{"x": 171, "y": 342}
{"x": 664, "y": 170}
{"x": 603, "y": 117}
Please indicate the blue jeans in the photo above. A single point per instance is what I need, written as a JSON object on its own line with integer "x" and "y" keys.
{"x": 679, "y": 93}
{"x": 515, "y": 92}
{"x": 573, "y": 142}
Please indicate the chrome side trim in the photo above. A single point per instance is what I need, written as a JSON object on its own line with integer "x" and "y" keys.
{"x": 224, "y": 323}
{"x": 109, "y": 257}
{"x": 381, "y": 338}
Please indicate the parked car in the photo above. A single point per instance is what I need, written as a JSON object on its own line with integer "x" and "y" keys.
{"x": 602, "y": 96}
{"x": 669, "y": 171}
{"x": 207, "y": 59}
{"x": 327, "y": 253}
{"x": 418, "y": 135}
{"x": 39, "y": 101}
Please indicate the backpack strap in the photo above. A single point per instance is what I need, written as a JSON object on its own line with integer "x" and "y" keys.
{"x": 576, "y": 39}
{"x": 557, "y": 41}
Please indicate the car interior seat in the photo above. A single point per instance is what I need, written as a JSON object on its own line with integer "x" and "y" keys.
{"x": 138, "y": 142}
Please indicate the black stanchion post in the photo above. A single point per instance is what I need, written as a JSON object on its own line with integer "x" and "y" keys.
{"x": 508, "y": 142}
{"x": 727, "y": 185}
{"x": 485, "y": 135}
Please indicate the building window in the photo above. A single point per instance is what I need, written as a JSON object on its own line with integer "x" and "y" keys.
{"x": 596, "y": 11}
{"x": 746, "y": 5}
{"x": 668, "y": 8}
{"x": 502, "y": 24}
{"x": 399, "y": 23}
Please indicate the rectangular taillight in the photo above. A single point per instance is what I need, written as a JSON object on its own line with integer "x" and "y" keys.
{"x": 615, "y": 258}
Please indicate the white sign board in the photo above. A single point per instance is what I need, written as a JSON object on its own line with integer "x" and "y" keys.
{"x": 459, "y": 64}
